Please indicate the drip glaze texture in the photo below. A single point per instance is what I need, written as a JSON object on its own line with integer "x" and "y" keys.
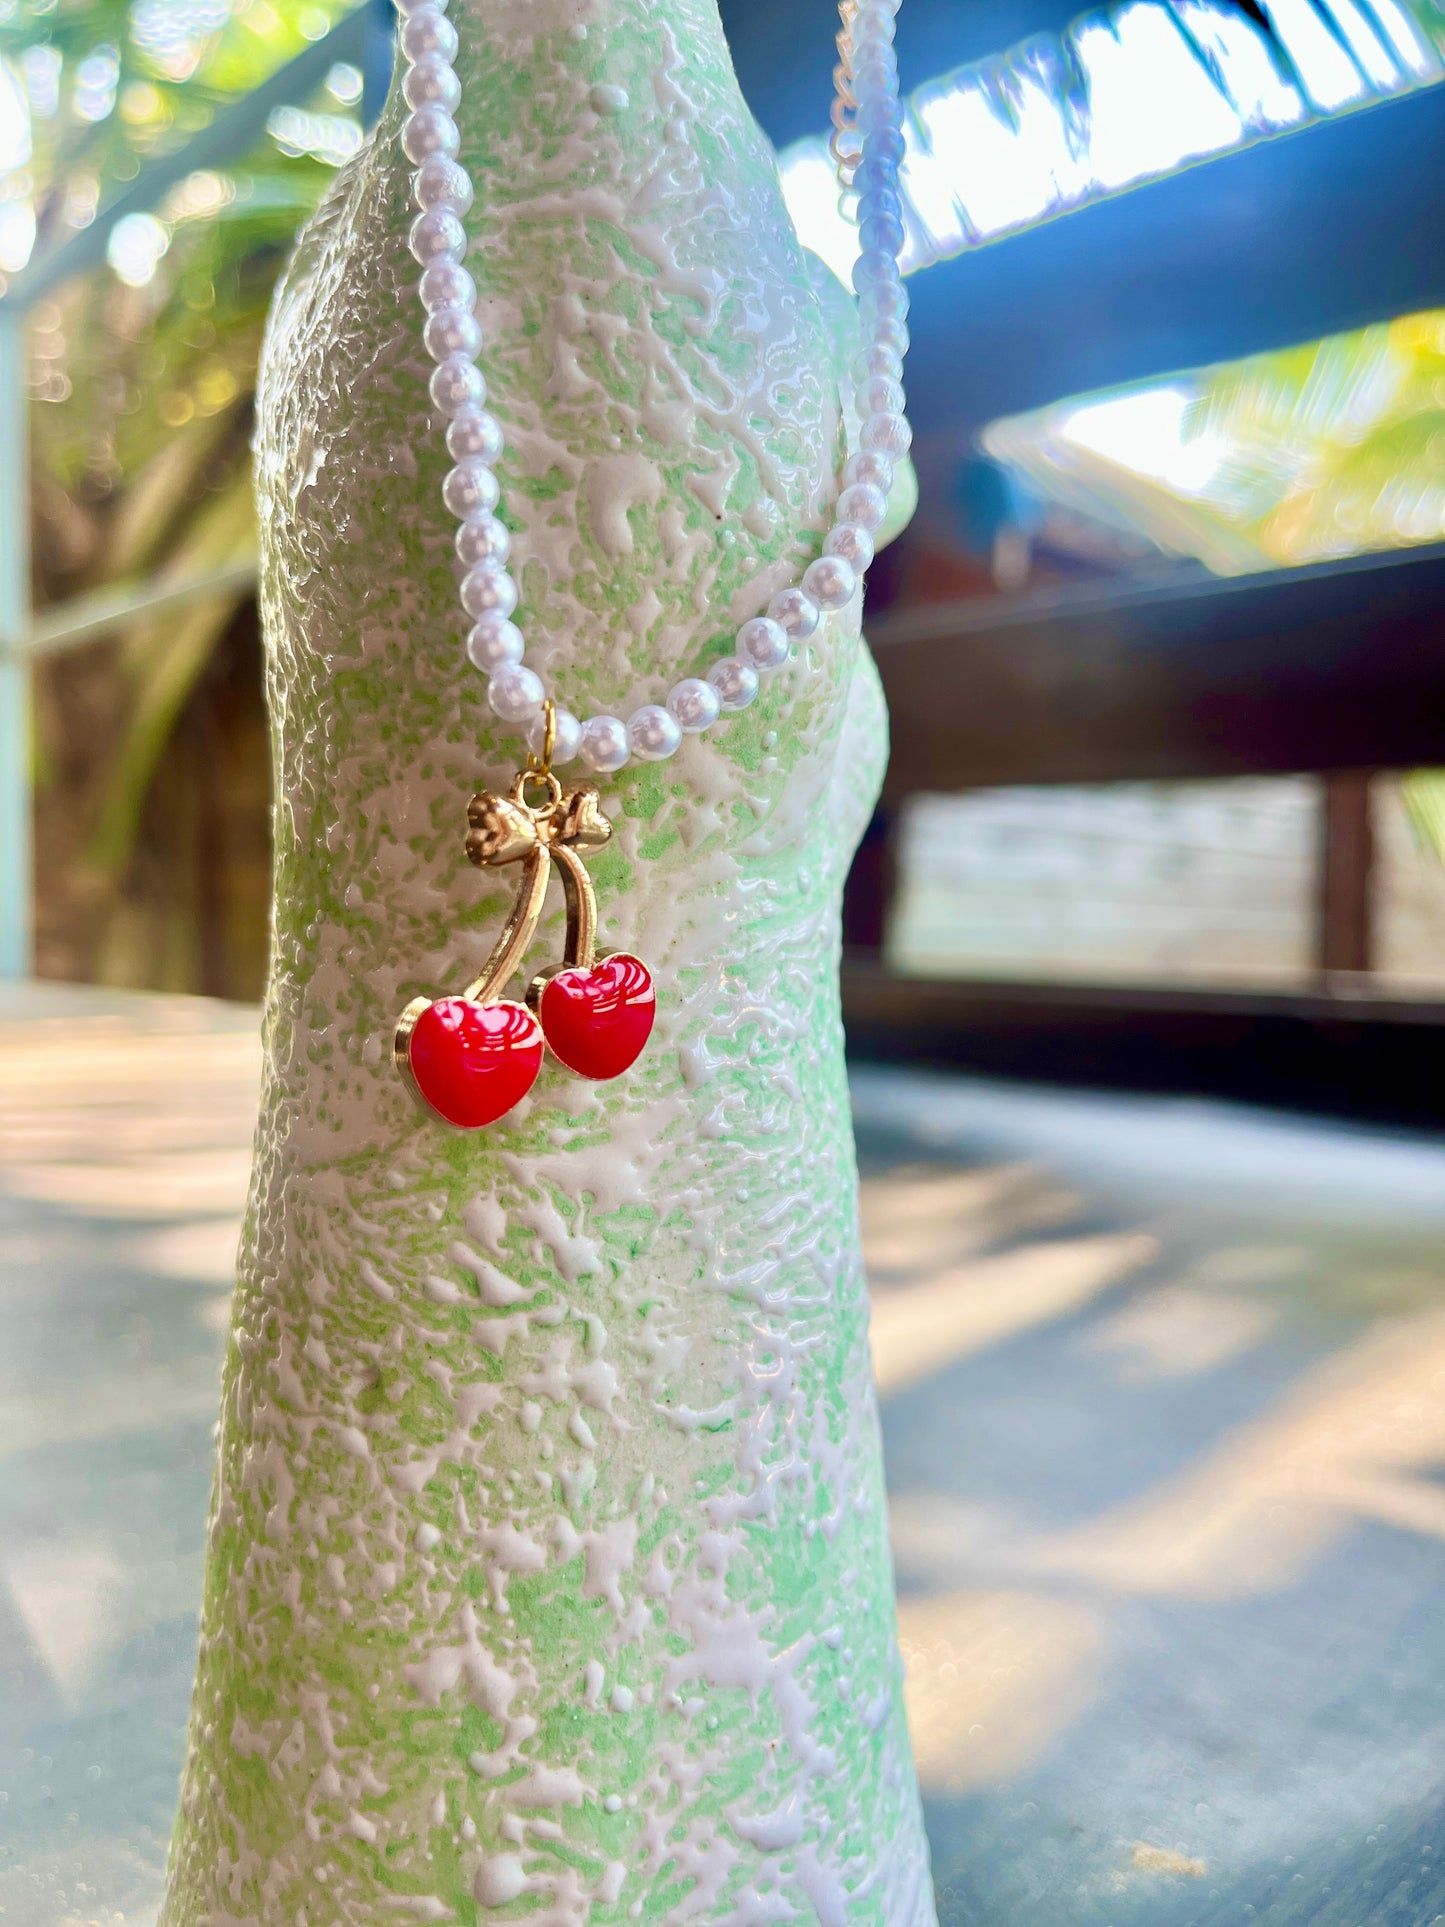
{"x": 548, "y": 1572}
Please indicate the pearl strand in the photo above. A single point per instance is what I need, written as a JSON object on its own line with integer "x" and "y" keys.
{"x": 868, "y": 144}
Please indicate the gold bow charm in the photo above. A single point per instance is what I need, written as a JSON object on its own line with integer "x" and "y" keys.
{"x": 471, "y": 1059}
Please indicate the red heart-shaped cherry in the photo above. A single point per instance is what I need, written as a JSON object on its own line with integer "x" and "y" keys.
{"x": 473, "y": 1062}
{"x": 597, "y": 1020}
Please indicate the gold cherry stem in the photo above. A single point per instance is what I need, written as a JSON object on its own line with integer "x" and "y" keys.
{"x": 517, "y": 933}
{"x": 581, "y": 909}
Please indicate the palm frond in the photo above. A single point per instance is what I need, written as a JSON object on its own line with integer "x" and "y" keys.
{"x": 1424, "y": 794}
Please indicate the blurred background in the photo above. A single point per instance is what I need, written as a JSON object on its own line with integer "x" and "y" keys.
{"x": 1145, "y": 948}
{"x": 1161, "y": 646}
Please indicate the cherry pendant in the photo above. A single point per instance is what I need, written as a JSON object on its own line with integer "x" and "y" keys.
{"x": 599, "y": 1017}
{"x": 473, "y": 1062}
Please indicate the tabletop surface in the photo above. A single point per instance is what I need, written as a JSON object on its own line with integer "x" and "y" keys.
{"x": 1163, "y": 1390}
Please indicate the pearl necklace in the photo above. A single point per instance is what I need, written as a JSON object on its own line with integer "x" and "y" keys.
{"x": 472, "y": 1058}
{"x": 868, "y": 146}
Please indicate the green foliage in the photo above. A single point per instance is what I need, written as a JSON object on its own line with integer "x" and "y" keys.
{"x": 1332, "y": 448}
{"x": 1424, "y": 794}
{"x": 143, "y": 374}
{"x": 1340, "y": 446}
{"x": 1337, "y": 446}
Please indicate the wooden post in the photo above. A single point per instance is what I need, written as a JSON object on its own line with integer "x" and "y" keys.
{"x": 1345, "y": 932}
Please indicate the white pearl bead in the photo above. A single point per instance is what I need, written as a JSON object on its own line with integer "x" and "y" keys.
{"x": 694, "y": 705}
{"x": 764, "y": 643}
{"x": 475, "y": 436}
{"x": 889, "y": 434}
{"x": 470, "y": 487}
{"x": 882, "y": 233}
{"x": 870, "y": 146}
{"x": 430, "y": 130}
{"x": 875, "y": 192}
{"x": 443, "y": 182}
{"x": 604, "y": 744}
{"x": 446, "y": 284}
{"x": 879, "y": 118}
{"x": 881, "y": 204}
{"x": 887, "y": 302}
{"x": 432, "y": 82}
{"x": 653, "y": 734}
{"x": 852, "y": 542}
{"x": 482, "y": 538}
{"x": 515, "y": 694}
{"x": 437, "y": 235}
{"x": 873, "y": 270}
{"x": 881, "y": 126}
{"x": 874, "y": 72}
{"x": 873, "y": 41}
{"x": 565, "y": 743}
{"x": 886, "y": 145}
{"x": 456, "y": 384}
{"x": 876, "y": 202}
{"x": 873, "y": 18}
{"x": 867, "y": 466}
{"x": 878, "y": 360}
{"x": 879, "y": 291}
{"x": 879, "y": 108}
{"x": 880, "y": 396}
{"x": 877, "y": 49}
{"x": 873, "y": 34}
{"x": 736, "y": 682}
{"x": 891, "y": 331}
{"x": 876, "y": 184}
{"x": 428, "y": 31}
{"x": 863, "y": 504}
{"x": 453, "y": 331}
{"x": 878, "y": 113}
{"x": 875, "y": 176}
{"x": 871, "y": 26}
{"x": 494, "y": 643}
{"x": 488, "y": 588}
{"x": 795, "y": 612}
{"x": 831, "y": 582}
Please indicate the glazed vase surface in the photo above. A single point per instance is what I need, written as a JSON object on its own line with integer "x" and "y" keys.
{"x": 548, "y": 1573}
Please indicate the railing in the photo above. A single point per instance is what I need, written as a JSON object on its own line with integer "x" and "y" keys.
{"x": 364, "y": 39}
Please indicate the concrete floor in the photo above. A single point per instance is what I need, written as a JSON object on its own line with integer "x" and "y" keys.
{"x": 1164, "y": 1395}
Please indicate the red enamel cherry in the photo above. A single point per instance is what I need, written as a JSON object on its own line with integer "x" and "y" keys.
{"x": 473, "y": 1062}
{"x": 597, "y": 1020}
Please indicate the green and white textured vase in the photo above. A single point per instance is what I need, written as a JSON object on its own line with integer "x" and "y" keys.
{"x": 548, "y": 1570}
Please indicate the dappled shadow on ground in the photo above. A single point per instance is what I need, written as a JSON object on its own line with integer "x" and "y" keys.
{"x": 1164, "y": 1403}
{"x": 125, "y": 1129}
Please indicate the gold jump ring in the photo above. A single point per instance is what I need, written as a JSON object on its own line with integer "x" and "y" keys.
{"x": 542, "y": 765}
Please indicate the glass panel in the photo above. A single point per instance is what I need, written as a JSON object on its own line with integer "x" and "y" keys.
{"x": 1409, "y": 879}
{"x": 1147, "y": 883}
